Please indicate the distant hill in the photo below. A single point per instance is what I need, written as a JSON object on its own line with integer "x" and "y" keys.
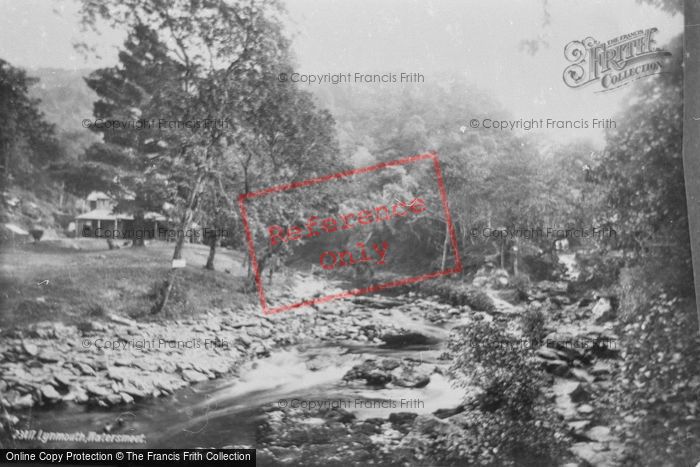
{"x": 65, "y": 98}
{"x": 66, "y": 101}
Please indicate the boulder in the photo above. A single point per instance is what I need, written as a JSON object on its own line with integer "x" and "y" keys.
{"x": 547, "y": 353}
{"x": 49, "y": 393}
{"x": 601, "y": 370}
{"x": 49, "y": 356}
{"x": 590, "y": 453}
{"x": 580, "y": 394}
{"x": 402, "y": 419}
{"x": 556, "y": 367}
{"x": 412, "y": 376}
{"x": 96, "y": 390}
{"x": 601, "y": 434}
{"x": 193, "y": 376}
{"x": 578, "y": 427}
{"x": 85, "y": 369}
{"x": 396, "y": 341}
{"x": 433, "y": 426}
{"x": 24, "y": 402}
{"x": 371, "y": 371}
{"x": 31, "y": 349}
{"x": 603, "y": 311}
{"x": 582, "y": 375}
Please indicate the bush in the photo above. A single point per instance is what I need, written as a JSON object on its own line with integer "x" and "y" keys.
{"x": 178, "y": 301}
{"x": 521, "y": 283}
{"x": 597, "y": 270}
{"x": 36, "y": 234}
{"x": 509, "y": 422}
{"x": 541, "y": 267}
{"x": 533, "y": 322}
{"x": 659, "y": 382}
{"x": 458, "y": 294}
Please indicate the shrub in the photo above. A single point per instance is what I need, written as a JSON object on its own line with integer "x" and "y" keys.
{"x": 533, "y": 322}
{"x": 659, "y": 386}
{"x": 521, "y": 283}
{"x": 509, "y": 422}
{"x": 36, "y": 234}
{"x": 597, "y": 270}
{"x": 458, "y": 294}
{"x": 179, "y": 298}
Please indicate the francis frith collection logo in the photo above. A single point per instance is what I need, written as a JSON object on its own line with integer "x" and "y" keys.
{"x": 614, "y": 63}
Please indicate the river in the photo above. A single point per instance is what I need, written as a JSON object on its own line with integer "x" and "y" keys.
{"x": 229, "y": 410}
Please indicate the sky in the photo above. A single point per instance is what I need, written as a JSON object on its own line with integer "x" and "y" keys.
{"x": 477, "y": 40}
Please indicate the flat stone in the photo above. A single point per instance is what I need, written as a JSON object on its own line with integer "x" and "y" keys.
{"x": 601, "y": 369}
{"x": 412, "y": 377}
{"x": 62, "y": 379}
{"x": 133, "y": 391}
{"x": 580, "y": 394}
{"x": 245, "y": 339}
{"x": 126, "y": 398}
{"x": 23, "y": 402}
{"x": 600, "y": 433}
{"x": 547, "y": 353}
{"x": 582, "y": 375}
{"x": 49, "y": 356}
{"x": 565, "y": 387}
{"x": 114, "y": 399}
{"x": 590, "y": 452}
{"x": 566, "y": 408}
{"x": 585, "y": 409}
{"x": 578, "y": 426}
{"x": 556, "y": 367}
{"x": 85, "y": 369}
{"x": 192, "y": 376}
{"x": 49, "y": 393}
{"x": 30, "y": 348}
{"x": 96, "y": 390}
{"x": 77, "y": 395}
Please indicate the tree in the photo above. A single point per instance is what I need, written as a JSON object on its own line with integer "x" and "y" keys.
{"x": 643, "y": 169}
{"x": 27, "y": 141}
{"x": 200, "y": 60}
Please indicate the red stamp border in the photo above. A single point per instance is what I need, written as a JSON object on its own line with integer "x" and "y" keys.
{"x": 349, "y": 173}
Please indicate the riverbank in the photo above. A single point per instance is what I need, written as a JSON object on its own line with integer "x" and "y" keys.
{"x": 117, "y": 362}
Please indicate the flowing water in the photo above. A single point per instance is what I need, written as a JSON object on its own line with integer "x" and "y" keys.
{"x": 227, "y": 411}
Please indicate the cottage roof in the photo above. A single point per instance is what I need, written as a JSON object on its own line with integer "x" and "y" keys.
{"x": 107, "y": 215}
{"x": 95, "y": 195}
{"x": 102, "y": 215}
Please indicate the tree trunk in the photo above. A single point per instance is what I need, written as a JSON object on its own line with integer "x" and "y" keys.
{"x": 185, "y": 222}
{"x": 212, "y": 251}
{"x": 179, "y": 244}
{"x": 271, "y": 269}
{"x": 444, "y": 246}
{"x": 503, "y": 254}
{"x": 139, "y": 226}
{"x": 172, "y": 275}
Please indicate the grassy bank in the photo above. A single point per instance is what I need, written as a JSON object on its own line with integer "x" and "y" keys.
{"x": 81, "y": 279}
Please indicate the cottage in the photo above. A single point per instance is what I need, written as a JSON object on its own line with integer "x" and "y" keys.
{"x": 101, "y": 221}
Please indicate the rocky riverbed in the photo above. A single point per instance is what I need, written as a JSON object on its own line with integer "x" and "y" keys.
{"x": 117, "y": 362}
{"x": 580, "y": 353}
{"x": 392, "y": 348}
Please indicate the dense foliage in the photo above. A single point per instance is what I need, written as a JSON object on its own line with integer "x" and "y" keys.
{"x": 27, "y": 141}
{"x": 510, "y": 422}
